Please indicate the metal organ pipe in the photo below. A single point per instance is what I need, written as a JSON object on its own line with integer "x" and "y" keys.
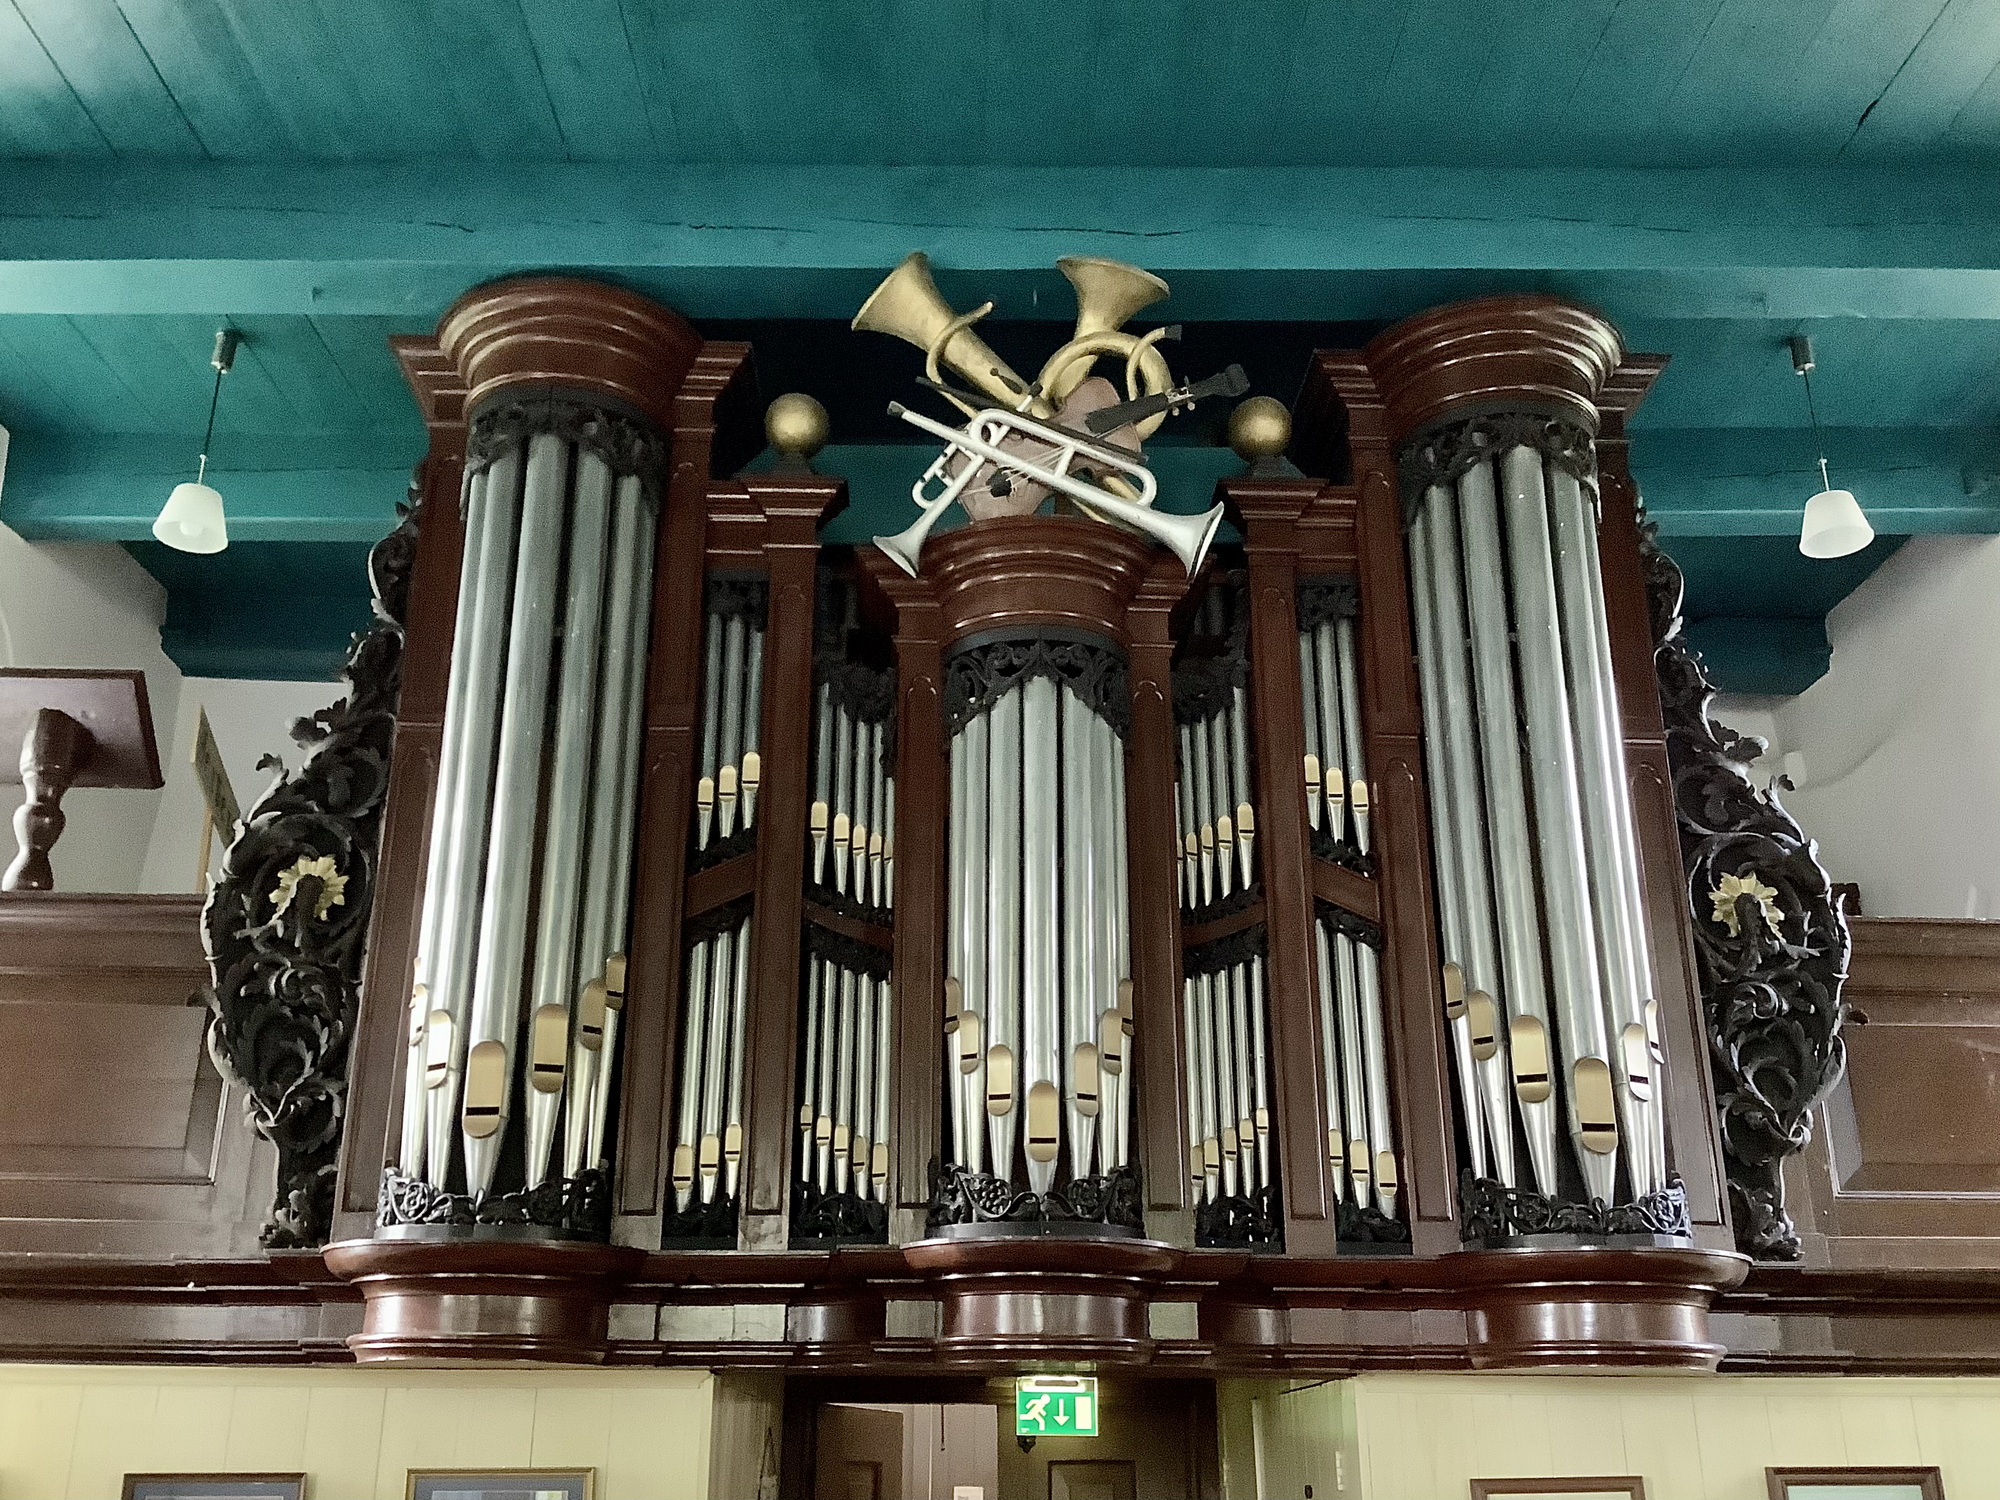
{"x": 563, "y": 824}
{"x": 494, "y": 1023}
{"x": 1506, "y": 575}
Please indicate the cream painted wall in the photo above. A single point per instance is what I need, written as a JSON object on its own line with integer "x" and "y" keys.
{"x": 87, "y": 604}
{"x": 250, "y": 720}
{"x": 75, "y": 1431}
{"x": 1900, "y": 741}
{"x": 1397, "y": 1437}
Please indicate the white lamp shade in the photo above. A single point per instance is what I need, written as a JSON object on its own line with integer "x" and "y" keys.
{"x": 192, "y": 521}
{"x": 1834, "y": 525}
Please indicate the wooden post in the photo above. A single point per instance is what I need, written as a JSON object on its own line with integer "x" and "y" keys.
{"x": 793, "y": 506}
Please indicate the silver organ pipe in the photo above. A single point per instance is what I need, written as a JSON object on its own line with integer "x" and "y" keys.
{"x": 823, "y": 1092}
{"x": 1038, "y": 978}
{"x": 819, "y": 824}
{"x": 522, "y": 991}
{"x": 554, "y": 980}
{"x": 615, "y": 806}
{"x": 1315, "y": 784}
{"x": 1537, "y": 856}
{"x": 843, "y": 784}
{"x": 1212, "y": 777}
{"x": 1332, "y": 726}
{"x": 711, "y": 737}
{"x": 844, "y": 1082}
{"x": 1239, "y": 762}
{"x": 1003, "y": 931}
{"x": 729, "y": 750}
{"x": 1190, "y": 830}
{"x": 752, "y": 770}
{"x": 1228, "y": 1062}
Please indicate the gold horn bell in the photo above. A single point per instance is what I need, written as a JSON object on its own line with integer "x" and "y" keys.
{"x": 1109, "y": 294}
{"x": 909, "y": 306}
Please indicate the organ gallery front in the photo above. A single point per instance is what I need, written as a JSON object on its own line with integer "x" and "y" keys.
{"x": 1239, "y": 931}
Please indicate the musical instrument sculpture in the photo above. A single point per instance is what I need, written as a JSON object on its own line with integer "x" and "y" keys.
{"x": 1066, "y": 434}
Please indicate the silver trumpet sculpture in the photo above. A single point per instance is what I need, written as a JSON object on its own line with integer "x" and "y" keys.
{"x": 1048, "y": 456}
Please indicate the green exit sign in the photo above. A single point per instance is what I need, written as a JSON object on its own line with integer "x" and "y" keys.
{"x": 1055, "y": 1406}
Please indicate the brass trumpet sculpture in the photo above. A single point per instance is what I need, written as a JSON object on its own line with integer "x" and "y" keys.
{"x": 1068, "y": 433}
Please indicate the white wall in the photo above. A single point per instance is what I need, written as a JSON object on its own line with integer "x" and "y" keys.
{"x": 1693, "y": 1437}
{"x": 250, "y": 720}
{"x": 87, "y": 604}
{"x": 1900, "y": 741}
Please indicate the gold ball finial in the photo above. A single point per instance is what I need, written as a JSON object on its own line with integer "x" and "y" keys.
{"x": 1260, "y": 429}
{"x": 796, "y": 426}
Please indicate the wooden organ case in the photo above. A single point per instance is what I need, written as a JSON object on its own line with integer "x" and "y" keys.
{"x": 1048, "y": 955}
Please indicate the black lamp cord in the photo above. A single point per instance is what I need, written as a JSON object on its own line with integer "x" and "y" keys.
{"x": 226, "y": 340}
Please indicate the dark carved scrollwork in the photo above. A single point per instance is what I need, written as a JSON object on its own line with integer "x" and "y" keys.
{"x": 1323, "y": 599}
{"x": 1367, "y": 1226}
{"x": 1225, "y": 952}
{"x": 1256, "y": 1222}
{"x": 745, "y": 599}
{"x": 286, "y": 924}
{"x": 577, "y": 1207}
{"x": 1490, "y": 1211}
{"x": 627, "y": 445}
{"x": 1340, "y": 919}
{"x": 836, "y": 1218}
{"x": 1771, "y": 943}
{"x": 977, "y": 678}
{"x": 962, "y": 1196}
{"x": 1213, "y": 660}
{"x": 1342, "y": 851}
{"x": 846, "y": 952}
{"x": 1439, "y": 456}
{"x": 703, "y": 1226}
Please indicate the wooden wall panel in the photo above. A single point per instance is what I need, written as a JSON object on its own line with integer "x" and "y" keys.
{"x": 116, "y": 1133}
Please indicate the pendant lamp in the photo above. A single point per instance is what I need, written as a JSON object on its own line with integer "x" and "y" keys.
{"x": 192, "y": 519}
{"x": 1834, "y": 524}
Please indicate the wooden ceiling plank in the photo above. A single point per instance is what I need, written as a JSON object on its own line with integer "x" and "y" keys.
{"x": 394, "y": 48}
{"x": 40, "y": 114}
{"x": 288, "y": 355}
{"x": 66, "y": 363}
{"x": 484, "y": 58}
{"x": 1946, "y": 69}
{"x": 197, "y": 56}
{"x": 103, "y": 62}
{"x": 590, "y": 76}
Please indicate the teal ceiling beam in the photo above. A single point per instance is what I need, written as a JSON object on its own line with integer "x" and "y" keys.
{"x": 343, "y": 487}
{"x": 110, "y": 486}
{"x": 405, "y": 238}
{"x": 1762, "y": 656}
{"x": 1746, "y": 481}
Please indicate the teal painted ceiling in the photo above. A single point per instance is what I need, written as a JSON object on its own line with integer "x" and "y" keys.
{"x": 1028, "y": 82}
{"x": 1715, "y": 175}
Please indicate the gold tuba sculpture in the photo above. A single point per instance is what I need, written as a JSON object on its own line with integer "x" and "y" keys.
{"x": 909, "y": 306}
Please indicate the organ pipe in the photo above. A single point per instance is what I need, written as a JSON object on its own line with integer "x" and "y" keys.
{"x": 520, "y": 967}
{"x": 1038, "y": 995}
{"x": 1541, "y": 921}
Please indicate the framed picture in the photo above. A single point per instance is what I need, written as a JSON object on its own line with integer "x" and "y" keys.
{"x": 501, "y": 1484}
{"x": 1914, "y": 1482}
{"x": 215, "y": 1487}
{"x": 1568, "y": 1486}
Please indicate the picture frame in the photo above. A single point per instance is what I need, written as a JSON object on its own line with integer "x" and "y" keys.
{"x": 1905, "y": 1481}
{"x": 1569, "y": 1486}
{"x": 500, "y": 1484}
{"x": 214, "y": 1487}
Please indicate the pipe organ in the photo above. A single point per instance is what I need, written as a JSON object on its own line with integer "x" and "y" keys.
{"x": 1063, "y": 902}
{"x": 1038, "y": 927}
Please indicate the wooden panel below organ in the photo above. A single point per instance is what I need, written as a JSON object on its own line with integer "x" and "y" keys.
{"x": 115, "y": 1135}
{"x": 1904, "y": 1167}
